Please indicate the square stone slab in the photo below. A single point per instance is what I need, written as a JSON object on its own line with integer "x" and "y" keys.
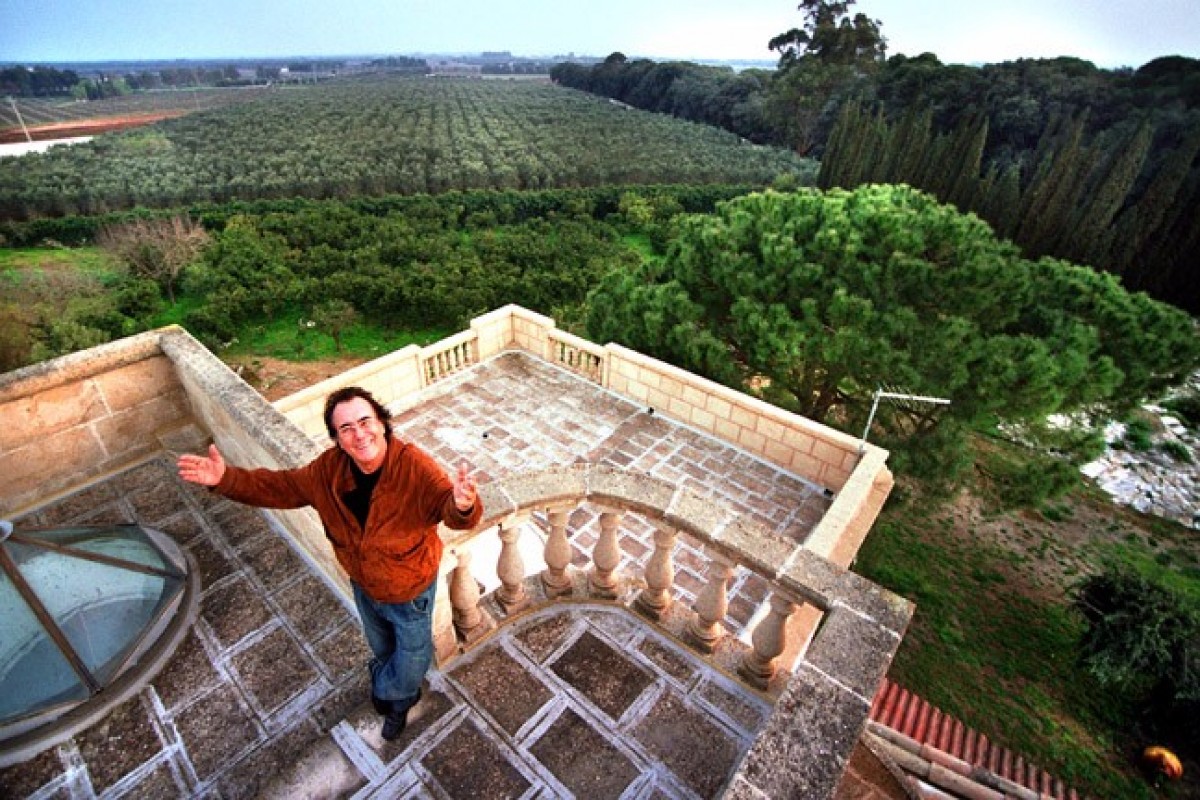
{"x": 503, "y": 688}
{"x": 583, "y": 760}
{"x": 469, "y": 765}
{"x": 701, "y": 754}
{"x": 607, "y": 678}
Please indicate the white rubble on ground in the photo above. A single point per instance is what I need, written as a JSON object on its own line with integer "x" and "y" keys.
{"x": 1151, "y": 481}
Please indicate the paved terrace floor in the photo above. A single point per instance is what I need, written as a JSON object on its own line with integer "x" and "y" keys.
{"x": 265, "y": 697}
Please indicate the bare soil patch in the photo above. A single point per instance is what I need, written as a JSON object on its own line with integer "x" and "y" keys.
{"x": 274, "y": 378}
{"x": 86, "y": 127}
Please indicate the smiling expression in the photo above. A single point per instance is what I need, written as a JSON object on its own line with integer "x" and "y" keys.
{"x": 360, "y": 433}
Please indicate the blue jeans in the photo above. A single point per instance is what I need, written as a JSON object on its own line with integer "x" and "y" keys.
{"x": 400, "y": 636}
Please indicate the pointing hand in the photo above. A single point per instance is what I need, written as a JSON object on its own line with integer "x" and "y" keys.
{"x": 464, "y": 488}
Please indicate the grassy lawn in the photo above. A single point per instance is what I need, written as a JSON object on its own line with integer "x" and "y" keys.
{"x": 28, "y": 263}
{"x": 289, "y": 337}
{"x": 995, "y": 646}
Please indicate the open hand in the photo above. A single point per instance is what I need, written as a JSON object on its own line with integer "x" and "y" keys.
{"x": 204, "y": 470}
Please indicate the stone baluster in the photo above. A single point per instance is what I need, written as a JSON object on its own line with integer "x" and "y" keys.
{"x": 510, "y": 569}
{"x": 711, "y": 606}
{"x": 655, "y": 599}
{"x": 758, "y": 666}
{"x": 556, "y": 576}
{"x": 606, "y": 556}
{"x": 464, "y": 599}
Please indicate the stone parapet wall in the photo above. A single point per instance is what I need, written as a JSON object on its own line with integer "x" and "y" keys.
{"x": 391, "y": 378}
{"x": 825, "y": 456}
{"x": 250, "y": 431}
{"x": 73, "y": 419}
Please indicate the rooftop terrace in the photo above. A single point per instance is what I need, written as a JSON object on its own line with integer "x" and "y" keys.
{"x": 636, "y": 616}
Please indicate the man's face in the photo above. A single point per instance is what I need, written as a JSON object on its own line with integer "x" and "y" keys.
{"x": 360, "y": 433}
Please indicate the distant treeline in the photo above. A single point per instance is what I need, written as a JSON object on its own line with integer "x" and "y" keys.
{"x": 37, "y": 81}
{"x": 1067, "y": 159}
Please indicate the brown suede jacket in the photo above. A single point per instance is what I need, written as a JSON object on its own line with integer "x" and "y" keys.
{"x": 396, "y": 557}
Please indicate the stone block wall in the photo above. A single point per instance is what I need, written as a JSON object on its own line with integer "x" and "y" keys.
{"x": 825, "y": 456}
{"x": 391, "y": 378}
{"x": 85, "y": 415}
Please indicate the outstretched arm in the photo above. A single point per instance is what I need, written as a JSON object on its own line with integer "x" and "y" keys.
{"x": 204, "y": 470}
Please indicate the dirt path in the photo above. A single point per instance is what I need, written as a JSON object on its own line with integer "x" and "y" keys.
{"x": 275, "y": 379}
{"x": 85, "y": 127}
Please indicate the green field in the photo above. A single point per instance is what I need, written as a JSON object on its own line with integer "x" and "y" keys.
{"x": 385, "y": 136}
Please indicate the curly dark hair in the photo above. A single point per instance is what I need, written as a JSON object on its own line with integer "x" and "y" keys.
{"x": 349, "y": 393}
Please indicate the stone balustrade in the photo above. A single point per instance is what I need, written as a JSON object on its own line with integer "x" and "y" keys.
{"x": 830, "y": 687}
{"x": 449, "y": 356}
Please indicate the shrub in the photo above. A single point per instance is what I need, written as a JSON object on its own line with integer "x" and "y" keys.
{"x": 1137, "y": 435}
{"x": 1143, "y": 640}
{"x": 1176, "y": 450}
{"x": 1186, "y": 407}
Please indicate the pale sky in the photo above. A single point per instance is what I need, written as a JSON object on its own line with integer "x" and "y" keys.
{"x": 1110, "y": 33}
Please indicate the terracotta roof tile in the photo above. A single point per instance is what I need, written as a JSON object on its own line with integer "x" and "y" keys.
{"x": 965, "y": 762}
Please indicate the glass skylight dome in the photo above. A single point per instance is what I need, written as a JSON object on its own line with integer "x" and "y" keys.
{"x": 87, "y": 616}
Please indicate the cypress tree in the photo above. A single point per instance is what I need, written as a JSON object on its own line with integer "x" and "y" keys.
{"x": 1062, "y": 165}
{"x": 1105, "y": 197}
{"x": 1144, "y": 221}
{"x": 970, "y": 138}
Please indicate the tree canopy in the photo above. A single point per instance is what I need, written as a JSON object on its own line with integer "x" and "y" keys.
{"x": 813, "y": 300}
{"x": 830, "y": 36}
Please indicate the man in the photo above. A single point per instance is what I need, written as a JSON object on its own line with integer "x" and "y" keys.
{"x": 380, "y": 500}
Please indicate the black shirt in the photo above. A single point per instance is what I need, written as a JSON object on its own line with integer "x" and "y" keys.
{"x": 359, "y": 498}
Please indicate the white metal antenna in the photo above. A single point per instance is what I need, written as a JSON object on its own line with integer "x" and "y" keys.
{"x": 20, "y": 119}
{"x": 904, "y": 400}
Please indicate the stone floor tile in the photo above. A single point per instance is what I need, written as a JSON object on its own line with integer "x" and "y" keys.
{"x": 118, "y": 744}
{"x": 696, "y": 750}
{"x": 299, "y": 763}
{"x": 468, "y": 764}
{"x": 311, "y": 607}
{"x": 215, "y": 729}
{"x": 212, "y": 563}
{"x": 606, "y": 677}
{"x": 77, "y": 504}
{"x": 274, "y": 669}
{"x": 582, "y": 759}
{"x": 188, "y": 673}
{"x": 343, "y": 650}
{"x": 235, "y": 609}
{"x": 22, "y": 780}
{"x": 273, "y": 561}
{"x": 669, "y": 660}
{"x": 503, "y": 687}
{"x": 543, "y": 636}
{"x": 746, "y": 711}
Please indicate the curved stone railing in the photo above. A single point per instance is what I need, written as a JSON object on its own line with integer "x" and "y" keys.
{"x": 821, "y": 706}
